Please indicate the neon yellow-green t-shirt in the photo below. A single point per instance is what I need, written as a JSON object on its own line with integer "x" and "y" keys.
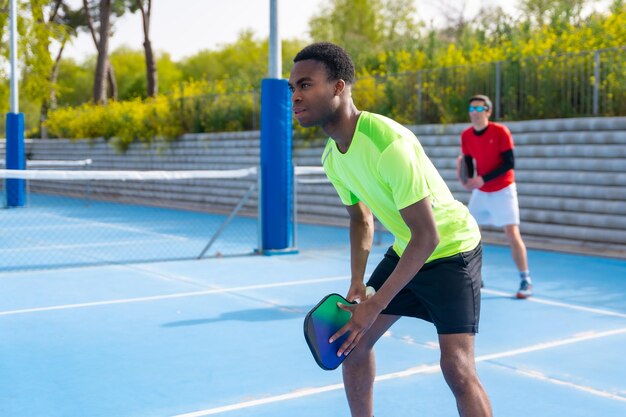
{"x": 387, "y": 169}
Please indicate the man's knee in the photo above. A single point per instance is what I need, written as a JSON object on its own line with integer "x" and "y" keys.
{"x": 512, "y": 233}
{"x": 360, "y": 354}
{"x": 459, "y": 372}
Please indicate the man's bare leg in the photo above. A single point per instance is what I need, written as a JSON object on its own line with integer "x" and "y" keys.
{"x": 459, "y": 371}
{"x": 518, "y": 249}
{"x": 359, "y": 369}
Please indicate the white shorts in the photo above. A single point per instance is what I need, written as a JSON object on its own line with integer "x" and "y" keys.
{"x": 499, "y": 208}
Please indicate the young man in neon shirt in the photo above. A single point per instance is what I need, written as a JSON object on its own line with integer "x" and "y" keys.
{"x": 432, "y": 271}
{"x": 494, "y": 193}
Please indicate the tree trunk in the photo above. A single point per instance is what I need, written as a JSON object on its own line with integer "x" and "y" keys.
{"x": 151, "y": 70}
{"x": 102, "y": 64}
{"x": 51, "y": 103}
{"x": 111, "y": 82}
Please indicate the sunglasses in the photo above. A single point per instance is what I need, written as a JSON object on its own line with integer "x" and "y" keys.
{"x": 478, "y": 109}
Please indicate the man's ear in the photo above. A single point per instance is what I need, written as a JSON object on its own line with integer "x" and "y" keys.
{"x": 340, "y": 86}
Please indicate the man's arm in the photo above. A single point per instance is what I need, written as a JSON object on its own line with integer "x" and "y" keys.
{"x": 361, "y": 238}
{"x": 469, "y": 164}
{"x": 420, "y": 219}
{"x": 508, "y": 162}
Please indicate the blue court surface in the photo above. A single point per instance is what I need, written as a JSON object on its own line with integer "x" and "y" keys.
{"x": 223, "y": 336}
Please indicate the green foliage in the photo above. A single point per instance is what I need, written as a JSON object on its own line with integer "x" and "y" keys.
{"x": 35, "y": 41}
{"x": 355, "y": 24}
{"x": 123, "y": 121}
{"x": 406, "y": 70}
{"x": 130, "y": 73}
{"x": 242, "y": 63}
{"x": 210, "y": 107}
{"x": 170, "y": 75}
{"x": 75, "y": 85}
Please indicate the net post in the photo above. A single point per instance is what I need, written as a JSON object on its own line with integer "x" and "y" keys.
{"x": 259, "y": 216}
{"x": 15, "y": 189}
{"x": 498, "y": 89}
{"x": 276, "y": 168}
{"x": 596, "y": 83}
{"x": 295, "y": 208}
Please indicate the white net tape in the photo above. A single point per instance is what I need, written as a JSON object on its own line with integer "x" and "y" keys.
{"x": 56, "y": 163}
{"x": 125, "y": 175}
{"x": 313, "y": 171}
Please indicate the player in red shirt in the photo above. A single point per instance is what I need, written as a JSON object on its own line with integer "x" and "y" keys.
{"x": 494, "y": 194}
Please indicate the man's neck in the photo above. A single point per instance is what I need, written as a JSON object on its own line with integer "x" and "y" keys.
{"x": 341, "y": 129}
{"x": 480, "y": 128}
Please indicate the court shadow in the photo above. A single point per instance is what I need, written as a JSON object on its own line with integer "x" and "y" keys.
{"x": 251, "y": 315}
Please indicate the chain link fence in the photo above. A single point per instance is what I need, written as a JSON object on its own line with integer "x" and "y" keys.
{"x": 239, "y": 111}
{"x": 589, "y": 83}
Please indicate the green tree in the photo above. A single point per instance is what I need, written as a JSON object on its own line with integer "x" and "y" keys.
{"x": 43, "y": 28}
{"x": 54, "y": 25}
{"x": 170, "y": 75}
{"x": 75, "y": 81}
{"x": 493, "y": 27}
{"x": 130, "y": 69}
{"x": 401, "y": 30}
{"x": 99, "y": 17}
{"x": 4, "y": 60}
{"x": 618, "y": 6}
{"x": 242, "y": 63}
{"x": 357, "y": 25}
{"x": 556, "y": 13}
{"x": 145, "y": 9}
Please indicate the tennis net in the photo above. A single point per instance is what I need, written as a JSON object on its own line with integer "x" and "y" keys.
{"x": 87, "y": 217}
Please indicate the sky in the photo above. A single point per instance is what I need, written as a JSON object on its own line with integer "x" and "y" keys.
{"x": 184, "y": 27}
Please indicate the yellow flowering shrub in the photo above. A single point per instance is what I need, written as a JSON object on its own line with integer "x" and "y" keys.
{"x": 545, "y": 71}
{"x": 121, "y": 121}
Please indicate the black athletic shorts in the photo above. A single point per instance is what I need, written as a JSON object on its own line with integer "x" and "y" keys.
{"x": 445, "y": 292}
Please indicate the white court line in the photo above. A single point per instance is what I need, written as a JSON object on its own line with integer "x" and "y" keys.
{"x": 276, "y": 285}
{"x": 542, "y": 377}
{"x": 172, "y": 296}
{"x": 422, "y": 369}
{"x": 559, "y": 304}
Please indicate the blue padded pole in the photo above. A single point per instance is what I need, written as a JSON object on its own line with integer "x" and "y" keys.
{"x": 15, "y": 190}
{"x": 276, "y": 168}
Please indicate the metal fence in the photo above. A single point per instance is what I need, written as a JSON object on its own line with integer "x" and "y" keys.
{"x": 591, "y": 83}
{"x": 237, "y": 111}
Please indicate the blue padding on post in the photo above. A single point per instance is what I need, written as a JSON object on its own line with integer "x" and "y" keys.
{"x": 276, "y": 166}
{"x": 15, "y": 190}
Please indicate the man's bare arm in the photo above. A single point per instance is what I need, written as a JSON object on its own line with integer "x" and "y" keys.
{"x": 361, "y": 238}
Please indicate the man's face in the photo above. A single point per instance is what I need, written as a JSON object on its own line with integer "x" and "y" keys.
{"x": 479, "y": 118}
{"x": 313, "y": 96}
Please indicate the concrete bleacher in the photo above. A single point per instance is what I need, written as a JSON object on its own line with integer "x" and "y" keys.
{"x": 571, "y": 176}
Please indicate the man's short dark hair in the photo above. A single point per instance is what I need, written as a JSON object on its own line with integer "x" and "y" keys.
{"x": 483, "y": 98}
{"x": 334, "y": 57}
